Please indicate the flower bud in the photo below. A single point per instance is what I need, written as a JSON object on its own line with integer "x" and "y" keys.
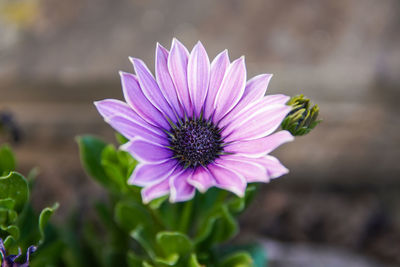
{"x": 302, "y": 118}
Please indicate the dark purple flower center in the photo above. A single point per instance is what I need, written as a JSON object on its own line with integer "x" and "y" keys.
{"x": 195, "y": 142}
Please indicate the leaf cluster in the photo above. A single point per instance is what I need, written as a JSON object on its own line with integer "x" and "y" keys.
{"x": 20, "y": 226}
{"x": 130, "y": 233}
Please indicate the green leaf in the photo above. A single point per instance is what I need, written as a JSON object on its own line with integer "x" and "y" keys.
{"x": 7, "y": 216}
{"x": 7, "y": 203}
{"x": 13, "y": 230}
{"x": 130, "y": 215}
{"x": 49, "y": 255}
{"x": 170, "y": 260}
{"x": 255, "y": 250}
{"x": 44, "y": 218}
{"x": 174, "y": 242}
{"x": 145, "y": 240}
{"x": 7, "y": 160}
{"x": 9, "y": 242}
{"x": 14, "y": 186}
{"x": 238, "y": 204}
{"x": 238, "y": 259}
{"x": 193, "y": 262}
{"x": 133, "y": 260}
{"x": 91, "y": 150}
{"x": 112, "y": 167}
{"x": 219, "y": 227}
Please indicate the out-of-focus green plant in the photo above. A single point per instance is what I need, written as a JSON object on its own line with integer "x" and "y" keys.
{"x": 160, "y": 233}
{"x": 20, "y": 226}
{"x": 303, "y": 116}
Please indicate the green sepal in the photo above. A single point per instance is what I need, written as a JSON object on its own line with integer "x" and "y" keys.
{"x": 44, "y": 218}
{"x": 120, "y": 138}
{"x": 7, "y": 160}
{"x": 14, "y": 186}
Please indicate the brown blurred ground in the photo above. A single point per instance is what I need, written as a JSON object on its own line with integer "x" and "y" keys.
{"x": 57, "y": 57}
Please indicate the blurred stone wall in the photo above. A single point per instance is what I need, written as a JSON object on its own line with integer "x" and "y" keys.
{"x": 57, "y": 57}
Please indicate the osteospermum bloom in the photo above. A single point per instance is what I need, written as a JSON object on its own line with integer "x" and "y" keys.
{"x": 197, "y": 124}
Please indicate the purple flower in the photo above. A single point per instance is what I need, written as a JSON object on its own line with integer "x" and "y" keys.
{"x": 9, "y": 261}
{"x": 197, "y": 124}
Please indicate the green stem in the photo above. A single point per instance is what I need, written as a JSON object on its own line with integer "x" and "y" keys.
{"x": 157, "y": 219}
{"x": 185, "y": 218}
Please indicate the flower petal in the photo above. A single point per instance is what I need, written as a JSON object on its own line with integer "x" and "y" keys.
{"x": 198, "y": 76}
{"x": 140, "y": 104}
{"x": 156, "y": 190}
{"x": 151, "y": 90}
{"x": 257, "y": 124}
{"x": 231, "y": 89}
{"x": 177, "y": 66}
{"x": 146, "y": 151}
{"x": 250, "y": 170}
{"x": 254, "y": 91}
{"x": 240, "y": 115}
{"x": 274, "y": 168}
{"x": 131, "y": 130}
{"x": 201, "y": 179}
{"x": 111, "y": 107}
{"x": 256, "y": 88}
{"x": 259, "y": 147}
{"x": 228, "y": 179}
{"x": 164, "y": 80}
{"x": 218, "y": 68}
{"x": 180, "y": 189}
{"x": 147, "y": 174}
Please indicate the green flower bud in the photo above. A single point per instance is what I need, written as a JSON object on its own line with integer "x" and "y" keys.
{"x": 303, "y": 118}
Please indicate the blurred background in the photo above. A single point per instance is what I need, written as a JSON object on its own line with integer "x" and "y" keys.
{"x": 339, "y": 206}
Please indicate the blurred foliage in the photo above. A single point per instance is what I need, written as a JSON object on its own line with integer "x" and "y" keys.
{"x": 302, "y": 118}
{"x": 129, "y": 233}
{"x": 20, "y": 226}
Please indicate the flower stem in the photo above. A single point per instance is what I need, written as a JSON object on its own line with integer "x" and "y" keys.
{"x": 185, "y": 218}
